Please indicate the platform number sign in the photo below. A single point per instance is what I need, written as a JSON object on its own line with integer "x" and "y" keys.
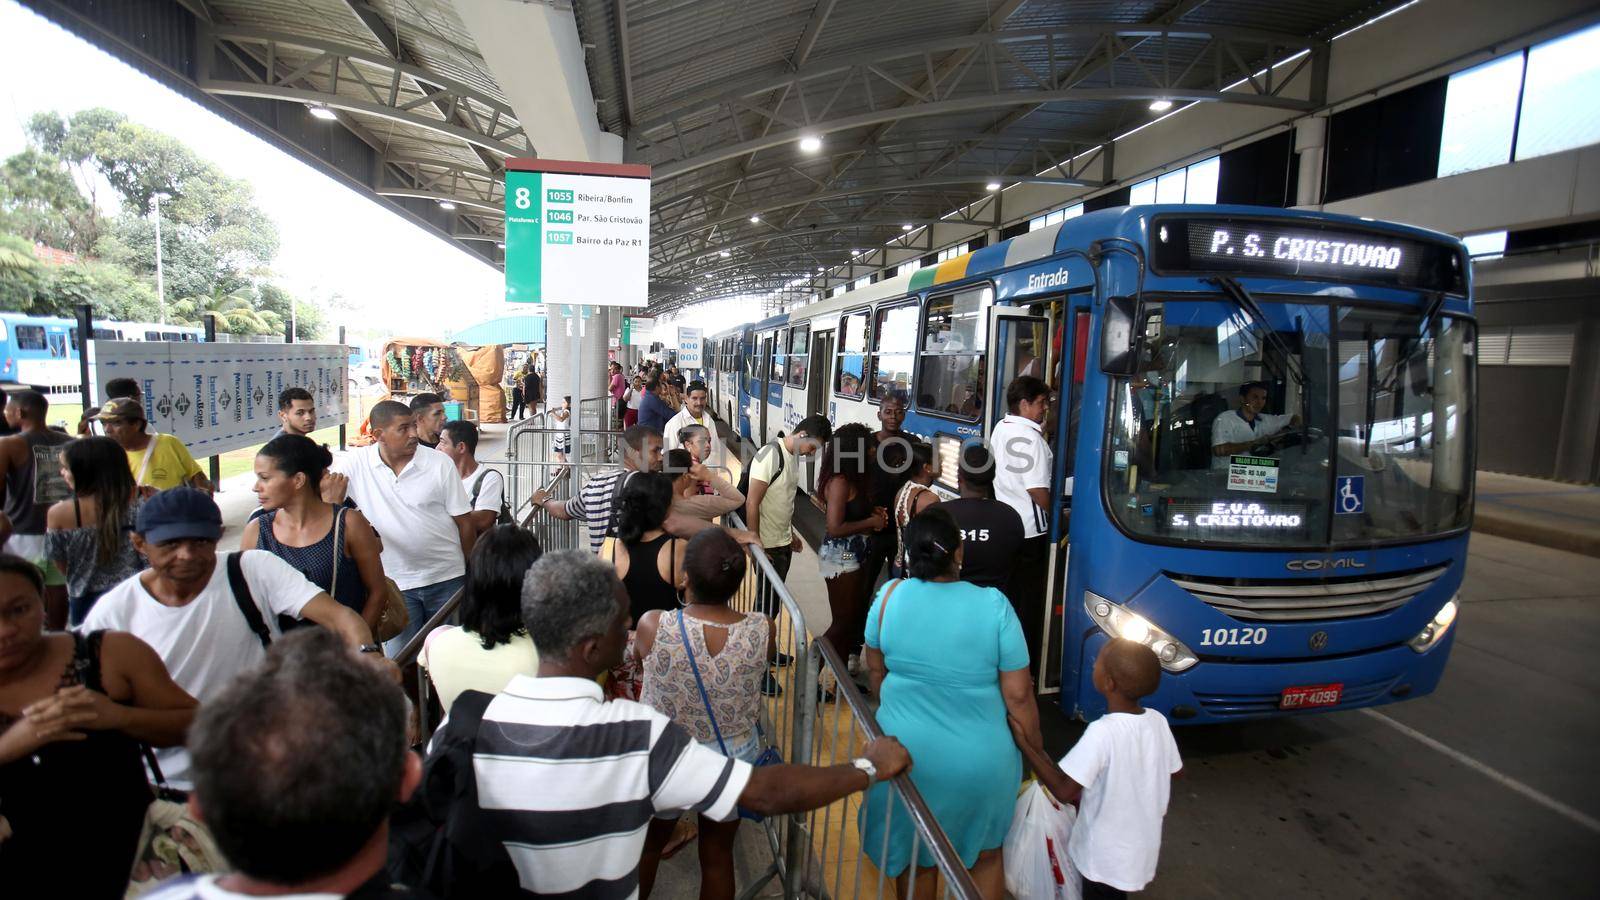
{"x": 577, "y": 233}
{"x": 1350, "y": 495}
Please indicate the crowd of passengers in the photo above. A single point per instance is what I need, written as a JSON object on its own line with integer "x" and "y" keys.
{"x": 195, "y": 722}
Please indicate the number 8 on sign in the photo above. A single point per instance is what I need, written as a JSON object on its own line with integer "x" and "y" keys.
{"x": 523, "y": 198}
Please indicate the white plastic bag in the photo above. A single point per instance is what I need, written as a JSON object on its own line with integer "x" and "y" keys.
{"x": 1037, "y": 867}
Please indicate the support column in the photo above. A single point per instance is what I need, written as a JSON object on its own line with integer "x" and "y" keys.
{"x": 1310, "y": 142}
{"x": 558, "y": 370}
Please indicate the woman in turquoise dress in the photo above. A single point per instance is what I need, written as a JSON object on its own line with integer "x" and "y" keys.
{"x": 948, "y": 661}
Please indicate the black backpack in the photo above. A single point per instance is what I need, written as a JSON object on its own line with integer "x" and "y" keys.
{"x": 744, "y": 477}
{"x": 504, "y": 518}
{"x": 440, "y": 841}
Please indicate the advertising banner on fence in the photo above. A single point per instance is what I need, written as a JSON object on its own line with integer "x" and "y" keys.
{"x": 221, "y": 397}
{"x": 689, "y": 353}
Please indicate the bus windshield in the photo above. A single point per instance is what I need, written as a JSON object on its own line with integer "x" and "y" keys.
{"x": 1323, "y": 434}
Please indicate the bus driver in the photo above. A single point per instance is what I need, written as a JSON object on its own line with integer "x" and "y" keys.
{"x": 1236, "y": 431}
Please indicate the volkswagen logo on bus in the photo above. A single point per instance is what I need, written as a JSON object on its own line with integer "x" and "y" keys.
{"x": 1319, "y": 640}
{"x": 1324, "y": 564}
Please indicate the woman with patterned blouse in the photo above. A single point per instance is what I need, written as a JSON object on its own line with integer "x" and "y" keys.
{"x": 730, "y": 650}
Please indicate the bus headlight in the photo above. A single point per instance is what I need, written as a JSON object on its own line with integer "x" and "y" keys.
{"x": 1436, "y": 628}
{"x": 1121, "y": 622}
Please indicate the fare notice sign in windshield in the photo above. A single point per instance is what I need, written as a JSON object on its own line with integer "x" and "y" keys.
{"x": 577, "y": 233}
{"x": 1253, "y": 473}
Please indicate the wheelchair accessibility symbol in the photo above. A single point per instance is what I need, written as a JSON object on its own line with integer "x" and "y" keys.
{"x": 1350, "y": 495}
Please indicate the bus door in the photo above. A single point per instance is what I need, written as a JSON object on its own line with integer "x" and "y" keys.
{"x": 821, "y": 373}
{"x": 1018, "y": 338}
{"x": 763, "y": 373}
{"x": 1069, "y": 343}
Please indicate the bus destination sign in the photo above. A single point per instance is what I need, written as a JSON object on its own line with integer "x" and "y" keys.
{"x": 1246, "y": 246}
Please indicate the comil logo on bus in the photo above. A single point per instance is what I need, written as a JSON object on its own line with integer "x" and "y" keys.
{"x": 1324, "y": 564}
{"x": 1351, "y": 254}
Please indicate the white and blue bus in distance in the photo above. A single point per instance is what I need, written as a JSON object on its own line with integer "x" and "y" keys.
{"x": 41, "y": 352}
{"x": 1318, "y": 569}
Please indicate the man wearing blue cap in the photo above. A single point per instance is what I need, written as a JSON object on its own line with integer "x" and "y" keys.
{"x": 208, "y": 618}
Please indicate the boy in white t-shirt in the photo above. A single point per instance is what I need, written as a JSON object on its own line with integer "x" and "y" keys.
{"x": 1120, "y": 772}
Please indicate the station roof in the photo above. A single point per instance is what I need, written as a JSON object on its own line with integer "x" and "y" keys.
{"x": 919, "y": 107}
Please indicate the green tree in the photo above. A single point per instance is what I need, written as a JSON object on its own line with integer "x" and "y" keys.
{"x": 189, "y": 265}
{"x": 235, "y": 313}
{"x": 310, "y": 319}
{"x": 201, "y": 204}
{"x": 20, "y": 278}
{"x": 40, "y": 201}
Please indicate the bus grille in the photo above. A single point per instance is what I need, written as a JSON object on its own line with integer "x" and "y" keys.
{"x": 1261, "y": 600}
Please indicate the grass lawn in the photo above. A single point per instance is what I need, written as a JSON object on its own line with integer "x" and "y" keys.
{"x": 237, "y": 462}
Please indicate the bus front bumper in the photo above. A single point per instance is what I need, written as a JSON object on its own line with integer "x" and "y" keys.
{"x": 1224, "y": 691}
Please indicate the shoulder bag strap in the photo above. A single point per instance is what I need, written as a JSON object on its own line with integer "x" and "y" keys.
{"x": 704, "y": 697}
{"x": 884, "y": 607}
{"x": 149, "y": 451}
{"x": 616, "y": 495}
{"x": 338, "y": 550}
{"x": 477, "y": 486}
{"x": 241, "y": 596}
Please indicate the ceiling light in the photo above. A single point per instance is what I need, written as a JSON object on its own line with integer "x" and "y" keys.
{"x": 810, "y": 143}
{"x": 724, "y": 254}
{"x": 754, "y": 219}
{"x": 855, "y": 252}
{"x": 500, "y": 244}
{"x": 821, "y": 269}
{"x": 992, "y": 186}
{"x": 319, "y": 111}
{"x": 709, "y": 275}
{"x": 446, "y": 205}
{"x": 905, "y": 227}
{"x": 1160, "y": 105}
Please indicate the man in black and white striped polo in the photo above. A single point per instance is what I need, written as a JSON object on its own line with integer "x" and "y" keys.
{"x": 570, "y": 781}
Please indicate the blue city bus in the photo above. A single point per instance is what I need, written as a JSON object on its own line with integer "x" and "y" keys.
{"x": 1317, "y": 570}
{"x": 41, "y": 352}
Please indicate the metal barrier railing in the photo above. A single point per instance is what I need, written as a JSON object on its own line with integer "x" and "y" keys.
{"x": 821, "y": 853}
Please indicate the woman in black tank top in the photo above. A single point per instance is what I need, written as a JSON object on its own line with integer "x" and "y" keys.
{"x": 649, "y": 559}
{"x": 649, "y": 562}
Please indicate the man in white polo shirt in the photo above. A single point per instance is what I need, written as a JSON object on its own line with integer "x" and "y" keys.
{"x": 1023, "y": 467}
{"x": 413, "y": 497}
{"x": 1236, "y": 431}
{"x": 693, "y": 413}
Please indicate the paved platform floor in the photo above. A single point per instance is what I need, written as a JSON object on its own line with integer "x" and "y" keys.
{"x": 1487, "y": 788}
{"x": 1548, "y": 513}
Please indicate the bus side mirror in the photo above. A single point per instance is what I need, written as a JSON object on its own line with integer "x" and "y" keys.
{"x": 1119, "y": 342}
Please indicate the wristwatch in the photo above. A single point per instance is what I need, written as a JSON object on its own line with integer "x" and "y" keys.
{"x": 371, "y": 648}
{"x": 865, "y": 765}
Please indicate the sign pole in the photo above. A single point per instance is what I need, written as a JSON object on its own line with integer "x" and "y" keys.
{"x": 85, "y": 333}
{"x": 575, "y": 423}
{"x": 214, "y": 461}
{"x": 346, "y": 388}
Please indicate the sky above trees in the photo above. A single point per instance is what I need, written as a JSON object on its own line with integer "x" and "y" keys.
{"x": 390, "y": 276}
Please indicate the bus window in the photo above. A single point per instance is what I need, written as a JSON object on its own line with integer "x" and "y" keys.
{"x": 779, "y": 356}
{"x": 952, "y": 368}
{"x": 852, "y": 355}
{"x": 152, "y": 335}
{"x": 752, "y": 363}
{"x": 799, "y": 358}
{"x": 30, "y": 337}
{"x": 894, "y": 344}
